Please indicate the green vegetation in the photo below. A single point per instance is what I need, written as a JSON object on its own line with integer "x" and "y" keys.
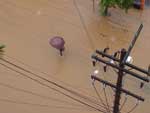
{"x": 1, "y": 49}
{"x": 2, "y": 46}
{"x": 123, "y": 4}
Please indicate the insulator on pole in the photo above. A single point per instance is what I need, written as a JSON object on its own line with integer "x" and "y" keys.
{"x": 115, "y": 54}
{"x": 105, "y": 68}
{"x": 141, "y": 85}
{"x": 105, "y": 50}
{"x": 94, "y": 63}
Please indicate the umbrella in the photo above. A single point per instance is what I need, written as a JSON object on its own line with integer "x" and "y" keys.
{"x": 57, "y": 42}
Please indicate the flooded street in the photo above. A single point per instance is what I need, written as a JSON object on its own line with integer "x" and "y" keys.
{"x": 26, "y": 27}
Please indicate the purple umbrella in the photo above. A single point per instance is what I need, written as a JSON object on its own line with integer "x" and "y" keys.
{"x": 58, "y": 43}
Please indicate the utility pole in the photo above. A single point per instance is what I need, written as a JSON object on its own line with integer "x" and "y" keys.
{"x": 119, "y": 83}
{"x": 121, "y": 71}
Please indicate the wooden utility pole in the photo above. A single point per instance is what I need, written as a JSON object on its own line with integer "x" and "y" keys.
{"x": 119, "y": 83}
{"x": 121, "y": 71}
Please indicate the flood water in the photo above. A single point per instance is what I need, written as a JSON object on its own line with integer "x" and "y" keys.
{"x": 25, "y": 28}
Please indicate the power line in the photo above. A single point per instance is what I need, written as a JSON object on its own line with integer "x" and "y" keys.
{"x": 33, "y": 68}
{"x": 134, "y": 107}
{"x": 83, "y": 23}
{"x": 75, "y": 99}
{"x": 106, "y": 100}
{"x": 40, "y": 105}
{"x": 124, "y": 102}
{"x": 36, "y": 94}
{"x": 100, "y": 98}
{"x": 52, "y": 82}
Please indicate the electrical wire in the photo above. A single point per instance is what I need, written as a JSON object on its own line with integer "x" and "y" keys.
{"x": 99, "y": 96}
{"x": 112, "y": 91}
{"x": 73, "y": 98}
{"x": 83, "y": 24}
{"x": 124, "y": 102}
{"x": 112, "y": 96}
{"x": 15, "y": 5}
{"x": 136, "y": 105}
{"x": 38, "y": 95}
{"x": 33, "y": 68}
{"x": 51, "y": 82}
{"x": 106, "y": 100}
{"x": 40, "y": 105}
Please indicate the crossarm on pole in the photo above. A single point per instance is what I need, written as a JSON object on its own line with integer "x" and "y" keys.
{"x": 114, "y": 86}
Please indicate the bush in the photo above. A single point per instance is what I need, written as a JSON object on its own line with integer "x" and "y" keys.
{"x": 123, "y": 4}
{"x": 2, "y": 46}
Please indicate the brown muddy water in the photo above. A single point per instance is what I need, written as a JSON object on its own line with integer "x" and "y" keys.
{"x": 25, "y": 28}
